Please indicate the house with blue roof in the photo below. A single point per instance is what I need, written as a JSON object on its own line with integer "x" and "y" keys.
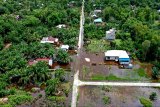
{"x": 118, "y": 55}
{"x": 98, "y": 20}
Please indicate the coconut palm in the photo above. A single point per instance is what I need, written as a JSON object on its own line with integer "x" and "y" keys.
{"x": 38, "y": 72}
{"x": 63, "y": 57}
{"x": 60, "y": 73}
{"x": 52, "y": 86}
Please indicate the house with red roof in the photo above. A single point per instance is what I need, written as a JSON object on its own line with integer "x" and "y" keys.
{"x": 49, "y": 39}
{"x": 49, "y": 61}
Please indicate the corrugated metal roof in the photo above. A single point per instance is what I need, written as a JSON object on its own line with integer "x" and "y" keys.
{"x": 118, "y": 53}
{"x": 49, "y": 39}
{"x": 99, "y": 20}
{"x": 48, "y": 60}
{"x": 65, "y": 47}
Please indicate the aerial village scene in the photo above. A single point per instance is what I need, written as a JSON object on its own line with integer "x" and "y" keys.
{"x": 79, "y": 53}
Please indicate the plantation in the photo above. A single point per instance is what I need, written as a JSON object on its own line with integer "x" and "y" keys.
{"x": 23, "y": 24}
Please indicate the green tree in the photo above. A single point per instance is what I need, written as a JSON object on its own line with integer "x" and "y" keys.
{"x": 52, "y": 86}
{"x": 31, "y": 21}
{"x": 155, "y": 72}
{"x": 60, "y": 73}
{"x": 1, "y": 43}
{"x": 10, "y": 60}
{"x": 38, "y": 72}
{"x": 145, "y": 47}
{"x": 62, "y": 57}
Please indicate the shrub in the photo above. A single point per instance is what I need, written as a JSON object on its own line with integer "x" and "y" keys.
{"x": 40, "y": 95}
{"x": 4, "y": 93}
{"x": 155, "y": 72}
{"x": 19, "y": 99}
{"x": 52, "y": 86}
{"x": 106, "y": 100}
{"x": 153, "y": 96}
{"x": 60, "y": 73}
{"x": 57, "y": 98}
{"x": 145, "y": 102}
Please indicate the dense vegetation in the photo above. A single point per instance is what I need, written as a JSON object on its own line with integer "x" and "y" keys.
{"x": 137, "y": 24}
{"x": 23, "y": 23}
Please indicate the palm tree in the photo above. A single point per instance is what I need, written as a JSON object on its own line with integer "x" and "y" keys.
{"x": 39, "y": 72}
{"x": 60, "y": 73}
{"x": 52, "y": 86}
{"x": 63, "y": 57}
{"x": 155, "y": 72}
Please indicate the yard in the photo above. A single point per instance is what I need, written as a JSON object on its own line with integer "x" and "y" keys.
{"x": 96, "y": 46}
{"x": 100, "y": 70}
{"x": 108, "y": 96}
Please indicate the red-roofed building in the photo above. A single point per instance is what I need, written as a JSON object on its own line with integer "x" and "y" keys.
{"x": 48, "y": 60}
{"x": 49, "y": 39}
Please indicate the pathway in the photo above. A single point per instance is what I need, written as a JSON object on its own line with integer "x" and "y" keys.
{"x": 80, "y": 45}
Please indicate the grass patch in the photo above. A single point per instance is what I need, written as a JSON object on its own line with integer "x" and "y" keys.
{"x": 85, "y": 71}
{"x": 98, "y": 46}
{"x": 110, "y": 77}
{"x": 141, "y": 72}
{"x": 57, "y": 98}
{"x": 98, "y": 77}
{"x": 106, "y": 100}
{"x": 146, "y": 102}
{"x": 113, "y": 77}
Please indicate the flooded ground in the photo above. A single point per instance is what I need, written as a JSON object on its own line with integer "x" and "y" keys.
{"x": 98, "y": 66}
{"x": 42, "y": 101}
{"x": 93, "y": 96}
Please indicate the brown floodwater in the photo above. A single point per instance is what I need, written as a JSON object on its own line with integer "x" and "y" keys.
{"x": 98, "y": 66}
{"x": 57, "y": 66}
{"x": 92, "y": 96}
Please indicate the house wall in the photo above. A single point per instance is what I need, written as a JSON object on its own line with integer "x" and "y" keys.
{"x": 124, "y": 63}
{"x": 109, "y": 58}
{"x": 124, "y": 60}
{"x": 110, "y": 37}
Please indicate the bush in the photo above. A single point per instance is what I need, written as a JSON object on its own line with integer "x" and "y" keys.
{"x": 106, "y": 100}
{"x": 57, "y": 98}
{"x": 145, "y": 102}
{"x": 155, "y": 72}
{"x": 4, "y": 93}
{"x": 60, "y": 73}
{"x": 153, "y": 96}
{"x": 52, "y": 86}
{"x": 19, "y": 99}
{"x": 3, "y": 85}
